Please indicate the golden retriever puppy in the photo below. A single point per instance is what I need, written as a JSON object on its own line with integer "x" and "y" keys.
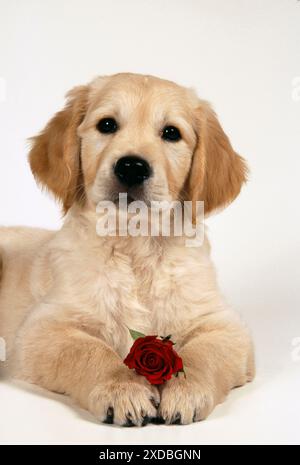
{"x": 67, "y": 298}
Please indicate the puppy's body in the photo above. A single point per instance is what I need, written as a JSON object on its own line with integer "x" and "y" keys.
{"x": 153, "y": 284}
{"x": 67, "y": 298}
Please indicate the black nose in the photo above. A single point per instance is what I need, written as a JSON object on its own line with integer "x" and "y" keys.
{"x": 132, "y": 170}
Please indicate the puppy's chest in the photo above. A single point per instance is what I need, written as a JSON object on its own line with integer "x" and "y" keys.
{"x": 153, "y": 290}
{"x": 138, "y": 285}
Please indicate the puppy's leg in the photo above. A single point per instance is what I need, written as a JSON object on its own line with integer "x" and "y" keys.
{"x": 217, "y": 357}
{"x": 61, "y": 357}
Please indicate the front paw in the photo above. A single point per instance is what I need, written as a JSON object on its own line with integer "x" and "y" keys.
{"x": 128, "y": 400}
{"x": 184, "y": 401}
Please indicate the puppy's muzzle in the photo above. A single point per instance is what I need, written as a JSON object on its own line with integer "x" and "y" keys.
{"x": 132, "y": 170}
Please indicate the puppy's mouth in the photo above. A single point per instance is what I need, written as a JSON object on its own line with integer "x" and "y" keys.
{"x": 128, "y": 197}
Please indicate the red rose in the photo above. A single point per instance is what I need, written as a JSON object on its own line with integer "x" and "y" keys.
{"x": 154, "y": 358}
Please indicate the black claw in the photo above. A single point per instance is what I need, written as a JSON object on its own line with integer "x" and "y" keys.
{"x": 158, "y": 420}
{"x": 146, "y": 420}
{"x": 177, "y": 419}
{"x": 194, "y": 417}
{"x": 109, "y": 416}
{"x": 128, "y": 423}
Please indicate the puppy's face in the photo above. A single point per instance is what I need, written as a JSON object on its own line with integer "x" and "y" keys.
{"x": 138, "y": 136}
{"x": 141, "y": 135}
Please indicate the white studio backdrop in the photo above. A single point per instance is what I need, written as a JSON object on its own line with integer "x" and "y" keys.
{"x": 241, "y": 55}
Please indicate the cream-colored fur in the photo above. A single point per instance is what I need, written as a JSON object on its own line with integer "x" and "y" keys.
{"x": 67, "y": 298}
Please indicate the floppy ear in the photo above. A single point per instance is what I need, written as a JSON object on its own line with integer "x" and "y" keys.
{"x": 217, "y": 171}
{"x": 55, "y": 154}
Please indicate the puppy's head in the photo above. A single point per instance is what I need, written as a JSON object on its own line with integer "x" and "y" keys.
{"x": 141, "y": 135}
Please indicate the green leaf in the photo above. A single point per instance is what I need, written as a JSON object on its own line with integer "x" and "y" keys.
{"x": 135, "y": 334}
{"x": 181, "y": 371}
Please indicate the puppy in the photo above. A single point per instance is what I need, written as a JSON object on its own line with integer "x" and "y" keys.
{"x": 67, "y": 298}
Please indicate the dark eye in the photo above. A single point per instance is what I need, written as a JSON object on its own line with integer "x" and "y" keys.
{"x": 107, "y": 125}
{"x": 171, "y": 133}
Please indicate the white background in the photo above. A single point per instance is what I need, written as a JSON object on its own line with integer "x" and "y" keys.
{"x": 244, "y": 57}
